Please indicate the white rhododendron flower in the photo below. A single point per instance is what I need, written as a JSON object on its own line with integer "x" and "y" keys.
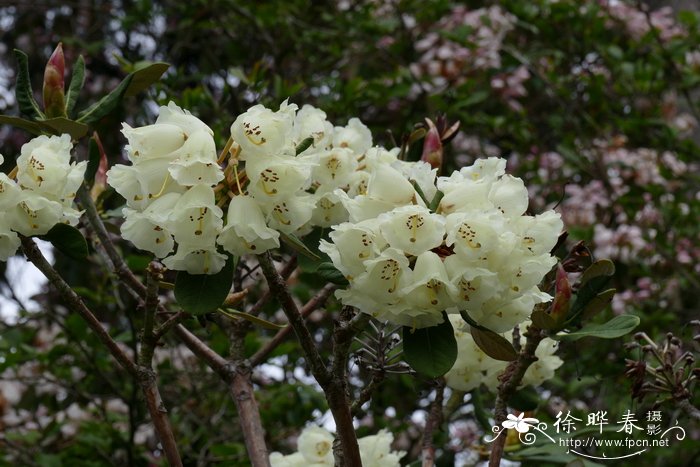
{"x": 246, "y": 231}
{"x": 42, "y": 196}
{"x": 355, "y": 135}
{"x": 477, "y": 253}
{"x": 473, "y": 367}
{"x": 315, "y": 448}
{"x": 260, "y": 132}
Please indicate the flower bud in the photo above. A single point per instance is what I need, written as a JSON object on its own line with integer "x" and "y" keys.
{"x": 432, "y": 146}
{"x": 54, "y": 84}
{"x": 562, "y": 296}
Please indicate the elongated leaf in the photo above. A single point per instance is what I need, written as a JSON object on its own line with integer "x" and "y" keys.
{"x": 543, "y": 320}
{"x": 603, "y": 267}
{"x": 77, "y": 80}
{"x": 593, "y": 281}
{"x": 297, "y": 245}
{"x": 494, "y": 345}
{"x": 331, "y": 274}
{"x": 60, "y": 125}
{"x": 253, "y": 319}
{"x": 32, "y": 127}
{"x": 25, "y": 96}
{"x": 430, "y": 351}
{"x": 597, "y": 304}
{"x": 145, "y": 75}
{"x": 198, "y": 294}
{"x": 304, "y": 145}
{"x": 68, "y": 240}
{"x": 105, "y": 105}
{"x": 616, "y": 327}
{"x": 93, "y": 161}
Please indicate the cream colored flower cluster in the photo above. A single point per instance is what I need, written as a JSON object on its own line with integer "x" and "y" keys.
{"x": 315, "y": 449}
{"x": 42, "y": 195}
{"x": 473, "y": 367}
{"x": 477, "y": 252}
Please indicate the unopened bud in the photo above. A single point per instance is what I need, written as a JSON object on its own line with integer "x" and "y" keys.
{"x": 432, "y": 146}
{"x": 562, "y": 295}
{"x": 54, "y": 84}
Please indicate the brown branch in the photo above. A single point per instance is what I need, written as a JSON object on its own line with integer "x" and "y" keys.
{"x": 285, "y": 272}
{"x": 509, "y": 382}
{"x": 433, "y": 422}
{"x": 316, "y": 302}
{"x": 75, "y": 303}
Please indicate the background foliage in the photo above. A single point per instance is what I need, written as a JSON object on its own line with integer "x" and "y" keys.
{"x": 593, "y": 103}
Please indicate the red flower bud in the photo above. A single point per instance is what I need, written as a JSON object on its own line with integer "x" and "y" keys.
{"x": 562, "y": 295}
{"x": 432, "y": 146}
{"x": 54, "y": 84}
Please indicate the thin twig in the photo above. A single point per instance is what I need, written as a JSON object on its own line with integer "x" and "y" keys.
{"x": 316, "y": 302}
{"x": 434, "y": 420}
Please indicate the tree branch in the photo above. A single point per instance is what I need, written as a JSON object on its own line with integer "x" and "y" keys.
{"x": 433, "y": 422}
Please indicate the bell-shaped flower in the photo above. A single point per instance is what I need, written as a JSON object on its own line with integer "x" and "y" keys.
{"x": 413, "y": 229}
{"x": 329, "y": 210}
{"x": 431, "y": 289}
{"x": 152, "y": 141}
{"x": 311, "y": 122}
{"x": 475, "y": 285}
{"x": 540, "y": 233}
{"x": 34, "y": 214}
{"x": 140, "y": 185}
{"x": 501, "y": 314}
{"x": 421, "y": 173}
{"x": 473, "y": 236}
{"x": 355, "y": 135}
{"x": 246, "y": 231}
{"x": 196, "y": 259}
{"x": 384, "y": 277}
{"x": 196, "y": 161}
{"x": 44, "y": 166}
{"x": 148, "y": 230}
{"x": 174, "y": 115}
{"x": 389, "y": 185}
{"x": 260, "y": 132}
{"x": 352, "y": 245}
{"x": 275, "y": 178}
{"x": 9, "y": 242}
{"x": 509, "y": 195}
{"x": 196, "y": 219}
{"x": 292, "y": 460}
{"x": 375, "y": 450}
{"x": 466, "y": 196}
{"x": 316, "y": 445}
{"x": 335, "y": 167}
{"x": 10, "y": 193}
{"x": 289, "y": 214}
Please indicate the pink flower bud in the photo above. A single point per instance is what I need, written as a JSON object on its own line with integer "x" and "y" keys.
{"x": 54, "y": 84}
{"x": 562, "y": 296}
{"x": 432, "y": 146}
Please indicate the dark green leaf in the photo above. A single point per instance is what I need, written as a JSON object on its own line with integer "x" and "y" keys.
{"x": 77, "y": 80}
{"x": 593, "y": 281}
{"x": 542, "y": 319}
{"x": 304, "y": 145}
{"x": 603, "y": 267}
{"x": 31, "y": 127}
{"x": 331, "y": 274}
{"x": 94, "y": 157}
{"x": 67, "y": 240}
{"x": 60, "y": 125}
{"x": 430, "y": 351}
{"x": 105, "y": 105}
{"x": 525, "y": 399}
{"x": 436, "y": 201}
{"x": 597, "y": 304}
{"x": 146, "y": 74}
{"x": 494, "y": 345}
{"x": 198, "y": 294}
{"x": 297, "y": 245}
{"x": 616, "y": 327}
{"x": 25, "y": 96}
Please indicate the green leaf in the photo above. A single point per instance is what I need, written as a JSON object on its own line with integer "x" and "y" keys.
{"x": 94, "y": 157}
{"x": 603, "y": 267}
{"x": 304, "y": 145}
{"x": 105, "y": 105}
{"x": 542, "y": 319}
{"x": 436, "y": 201}
{"x": 593, "y": 281}
{"x": 597, "y": 304}
{"x": 329, "y": 272}
{"x": 27, "y": 125}
{"x": 60, "y": 125}
{"x": 297, "y": 245}
{"x": 77, "y": 80}
{"x": 25, "y": 96}
{"x": 198, "y": 294}
{"x": 146, "y": 74}
{"x": 494, "y": 345}
{"x": 67, "y": 240}
{"x": 616, "y": 327}
{"x": 525, "y": 399}
{"x": 253, "y": 319}
{"x": 430, "y": 351}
